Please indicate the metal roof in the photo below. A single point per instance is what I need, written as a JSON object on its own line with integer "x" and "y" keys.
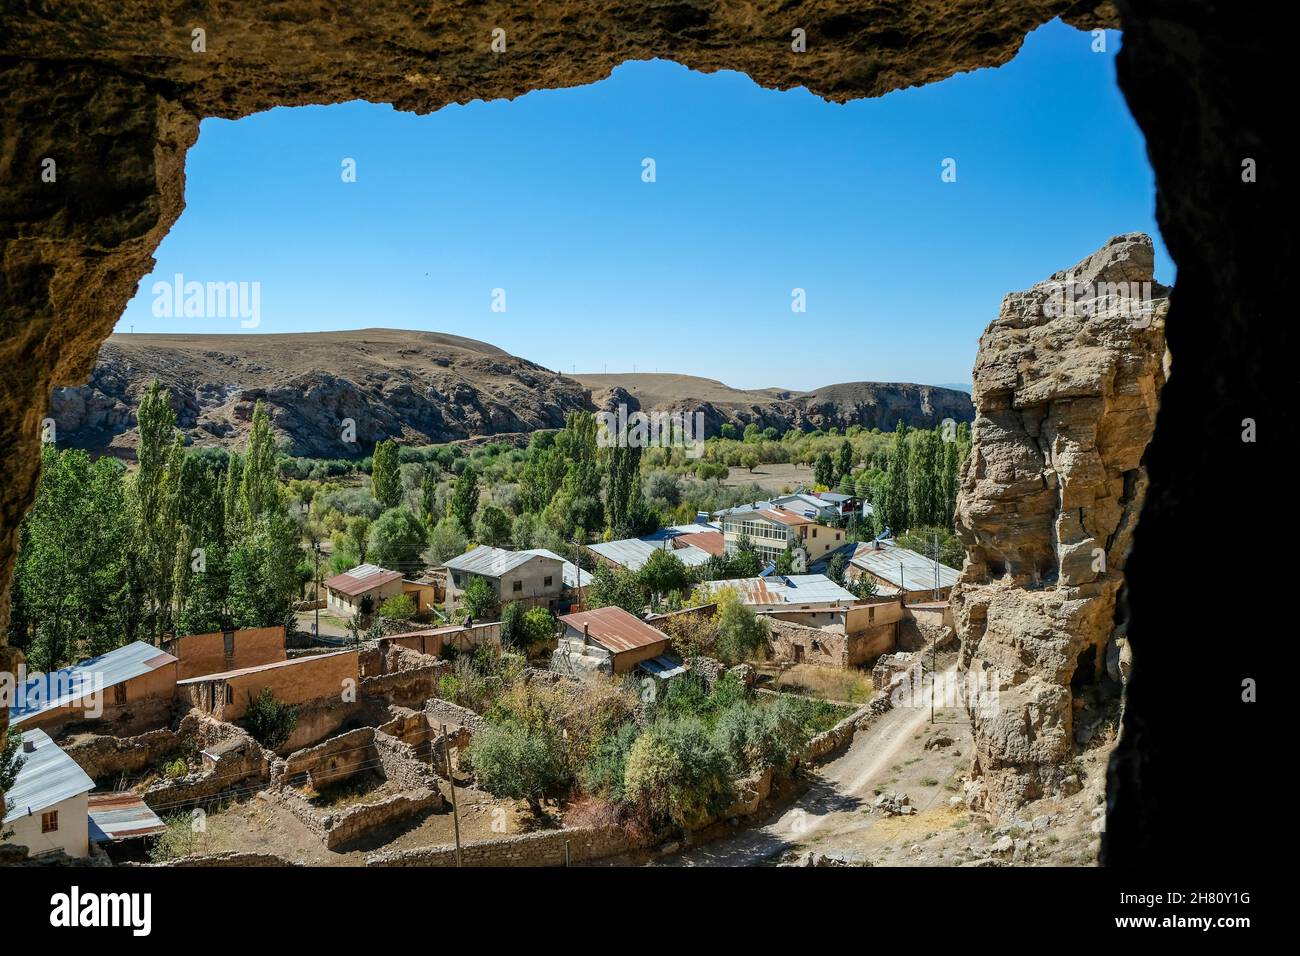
{"x": 493, "y": 562}
{"x": 574, "y": 576}
{"x": 811, "y": 501}
{"x": 70, "y": 684}
{"x": 121, "y": 816}
{"x": 785, "y": 517}
{"x": 901, "y": 567}
{"x": 787, "y": 589}
{"x": 362, "y": 578}
{"x": 631, "y": 553}
{"x": 47, "y": 776}
{"x": 739, "y": 509}
{"x": 662, "y": 667}
{"x": 614, "y": 628}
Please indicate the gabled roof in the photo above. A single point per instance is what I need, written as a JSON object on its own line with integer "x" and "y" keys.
{"x": 902, "y": 568}
{"x": 70, "y": 684}
{"x": 362, "y": 578}
{"x": 614, "y": 628}
{"x": 47, "y": 776}
{"x": 491, "y": 562}
{"x": 574, "y": 576}
{"x": 787, "y": 589}
{"x": 786, "y": 517}
{"x": 632, "y": 553}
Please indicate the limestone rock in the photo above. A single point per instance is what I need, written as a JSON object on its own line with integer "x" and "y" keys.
{"x": 1066, "y": 387}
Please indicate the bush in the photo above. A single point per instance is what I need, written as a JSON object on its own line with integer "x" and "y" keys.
{"x": 741, "y": 632}
{"x": 479, "y": 600}
{"x": 524, "y": 763}
{"x": 399, "y": 607}
{"x": 676, "y": 771}
{"x": 604, "y": 770}
{"x": 512, "y": 626}
{"x": 270, "y": 721}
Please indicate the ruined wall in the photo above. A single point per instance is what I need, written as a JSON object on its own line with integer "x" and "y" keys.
{"x": 199, "y": 654}
{"x": 1067, "y": 383}
{"x": 545, "y": 848}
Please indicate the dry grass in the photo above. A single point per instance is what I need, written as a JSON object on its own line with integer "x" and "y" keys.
{"x": 828, "y": 683}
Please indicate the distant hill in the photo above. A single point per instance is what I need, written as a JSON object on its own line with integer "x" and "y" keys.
{"x": 423, "y": 388}
{"x": 869, "y": 404}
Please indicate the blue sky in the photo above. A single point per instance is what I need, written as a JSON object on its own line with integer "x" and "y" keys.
{"x": 757, "y": 193}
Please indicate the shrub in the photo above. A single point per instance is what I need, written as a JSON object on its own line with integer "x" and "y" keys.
{"x": 741, "y": 632}
{"x": 399, "y": 607}
{"x": 479, "y": 599}
{"x": 177, "y": 768}
{"x": 676, "y": 771}
{"x": 269, "y": 720}
{"x": 604, "y": 770}
{"x": 524, "y": 763}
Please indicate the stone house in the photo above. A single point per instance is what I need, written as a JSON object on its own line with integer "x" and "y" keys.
{"x": 836, "y": 637}
{"x": 609, "y": 640}
{"x": 534, "y": 579}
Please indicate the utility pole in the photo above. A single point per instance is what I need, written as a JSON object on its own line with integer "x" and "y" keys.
{"x": 455, "y": 813}
{"x": 316, "y": 548}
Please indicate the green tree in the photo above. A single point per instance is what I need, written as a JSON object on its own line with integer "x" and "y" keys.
{"x": 845, "y": 468}
{"x": 397, "y": 541}
{"x": 429, "y": 496}
{"x": 741, "y": 632}
{"x": 357, "y": 537}
{"x": 675, "y": 770}
{"x": 446, "y": 540}
{"x": 924, "y": 493}
{"x": 662, "y": 574}
{"x": 270, "y": 721}
{"x": 385, "y": 474}
{"x": 493, "y": 527}
{"x": 264, "y": 572}
{"x": 464, "y": 500}
{"x": 513, "y": 634}
{"x": 153, "y": 503}
{"x": 612, "y": 587}
{"x": 895, "y": 506}
{"x": 824, "y": 470}
{"x": 260, "y": 479}
{"x": 478, "y": 599}
{"x": 520, "y": 762}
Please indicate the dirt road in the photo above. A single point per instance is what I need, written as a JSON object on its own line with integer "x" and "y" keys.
{"x": 829, "y": 816}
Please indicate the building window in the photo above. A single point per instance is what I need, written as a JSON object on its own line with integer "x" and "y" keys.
{"x": 50, "y": 821}
{"x": 814, "y": 532}
{"x": 547, "y": 582}
{"x": 456, "y": 579}
{"x": 119, "y": 694}
{"x": 518, "y": 586}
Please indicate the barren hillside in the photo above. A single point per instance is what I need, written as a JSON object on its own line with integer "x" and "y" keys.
{"x": 422, "y": 388}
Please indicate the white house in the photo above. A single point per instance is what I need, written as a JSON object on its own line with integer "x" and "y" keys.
{"x": 48, "y": 805}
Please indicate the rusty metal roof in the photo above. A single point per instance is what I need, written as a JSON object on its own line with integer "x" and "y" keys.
{"x": 614, "y": 628}
{"x": 121, "y": 816}
{"x": 362, "y": 578}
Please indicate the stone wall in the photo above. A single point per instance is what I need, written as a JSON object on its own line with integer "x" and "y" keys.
{"x": 546, "y": 848}
{"x": 105, "y": 758}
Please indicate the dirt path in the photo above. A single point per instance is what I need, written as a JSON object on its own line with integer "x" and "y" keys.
{"x": 841, "y": 789}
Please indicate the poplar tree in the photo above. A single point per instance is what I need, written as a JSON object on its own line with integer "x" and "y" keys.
{"x": 385, "y": 474}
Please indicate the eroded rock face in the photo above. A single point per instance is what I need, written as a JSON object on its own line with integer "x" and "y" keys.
{"x": 1066, "y": 387}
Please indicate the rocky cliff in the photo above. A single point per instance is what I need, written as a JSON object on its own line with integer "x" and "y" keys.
{"x": 1066, "y": 386}
{"x": 869, "y": 404}
{"x": 420, "y": 387}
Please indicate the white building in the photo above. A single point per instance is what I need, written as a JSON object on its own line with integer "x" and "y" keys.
{"x": 48, "y": 803}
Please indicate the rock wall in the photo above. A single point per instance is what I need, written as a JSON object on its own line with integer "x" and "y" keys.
{"x": 546, "y": 848}
{"x": 1066, "y": 387}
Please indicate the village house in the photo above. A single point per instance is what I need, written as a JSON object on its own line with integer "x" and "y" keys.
{"x": 131, "y": 688}
{"x": 808, "y": 505}
{"x": 836, "y": 637}
{"x": 771, "y": 530}
{"x": 786, "y": 592}
{"x": 609, "y": 640}
{"x": 362, "y": 590}
{"x": 897, "y": 572}
{"x": 532, "y": 578}
{"x": 49, "y": 805}
{"x": 198, "y": 654}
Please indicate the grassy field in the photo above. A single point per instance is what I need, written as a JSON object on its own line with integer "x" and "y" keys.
{"x": 774, "y": 478}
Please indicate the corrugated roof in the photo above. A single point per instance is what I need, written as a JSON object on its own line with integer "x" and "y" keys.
{"x": 46, "y": 777}
{"x": 574, "y": 576}
{"x": 663, "y": 666}
{"x": 614, "y": 628}
{"x": 492, "y": 562}
{"x": 631, "y": 553}
{"x": 362, "y": 578}
{"x": 787, "y": 589}
{"x": 70, "y": 684}
{"x": 121, "y": 816}
{"x": 901, "y": 567}
{"x": 261, "y": 667}
{"x": 786, "y": 517}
